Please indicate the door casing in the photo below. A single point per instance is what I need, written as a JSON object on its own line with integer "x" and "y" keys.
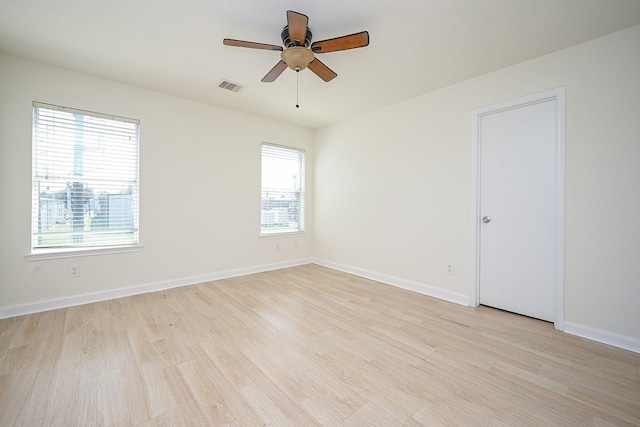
{"x": 558, "y": 95}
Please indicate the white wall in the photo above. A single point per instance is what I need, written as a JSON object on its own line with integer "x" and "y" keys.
{"x": 393, "y": 187}
{"x": 199, "y": 184}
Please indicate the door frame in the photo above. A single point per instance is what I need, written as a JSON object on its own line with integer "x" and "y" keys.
{"x": 557, "y": 95}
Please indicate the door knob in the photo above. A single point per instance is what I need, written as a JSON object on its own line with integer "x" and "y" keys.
{"x": 486, "y": 219}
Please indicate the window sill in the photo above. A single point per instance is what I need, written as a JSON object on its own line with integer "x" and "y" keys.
{"x": 45, "y": 254}
{"x": 280, "y": 235}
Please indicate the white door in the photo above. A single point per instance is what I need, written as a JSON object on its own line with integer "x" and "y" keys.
{"x": 517, "y": 204}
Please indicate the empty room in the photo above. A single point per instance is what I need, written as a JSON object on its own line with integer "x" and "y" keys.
{"x": 364, "y": 213}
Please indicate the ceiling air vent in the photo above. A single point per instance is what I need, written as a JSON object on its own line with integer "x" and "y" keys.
{"x": 233, "y": 87}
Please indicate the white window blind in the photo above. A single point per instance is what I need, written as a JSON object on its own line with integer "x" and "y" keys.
{"x": 283, "y": 181}
{"x": 85, "y": 179}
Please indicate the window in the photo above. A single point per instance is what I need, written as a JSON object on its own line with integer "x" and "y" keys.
{"x": 85, "y": 179}
{"x": 282, "y": 209}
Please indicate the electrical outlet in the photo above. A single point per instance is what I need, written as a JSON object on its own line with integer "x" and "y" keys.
{"x": 296, "y": 244}
{"x": 449, "y": 268}
{"x": 74, "y": 270}
{"x": 277, "y": 247}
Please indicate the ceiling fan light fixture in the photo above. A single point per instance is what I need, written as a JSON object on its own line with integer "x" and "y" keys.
{"x": 297, "y": 57}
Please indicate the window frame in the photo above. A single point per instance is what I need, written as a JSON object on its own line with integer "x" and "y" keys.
{"x": 130, "y": 155}
{"x": 301, "y": 209}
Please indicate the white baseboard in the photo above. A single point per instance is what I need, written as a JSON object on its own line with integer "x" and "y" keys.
{"x": 593, "y": 334}
{"x": 53, "y": 304}
{"x": 397, "y": 282}
{"x": 621, "y": 341}
{"x": 616, "y": 340}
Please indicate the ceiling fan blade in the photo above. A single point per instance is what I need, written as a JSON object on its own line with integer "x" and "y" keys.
{"x": 297, "y": 23}
{"x": 251, "y": 45}
{"x": 275, "y": 72}
{"x": 352, "y": 41}
{"x": 324, "y": 72}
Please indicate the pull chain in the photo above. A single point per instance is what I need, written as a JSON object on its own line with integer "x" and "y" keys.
{"x": 297, "y": 86}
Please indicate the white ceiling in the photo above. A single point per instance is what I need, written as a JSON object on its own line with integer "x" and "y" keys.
{"x": 175, "y": 46}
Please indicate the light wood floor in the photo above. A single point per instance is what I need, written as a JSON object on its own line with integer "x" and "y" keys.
{"x": 305, "y": 346}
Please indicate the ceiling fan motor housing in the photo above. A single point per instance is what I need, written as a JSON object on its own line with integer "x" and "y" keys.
{"x": 286, "y": 39}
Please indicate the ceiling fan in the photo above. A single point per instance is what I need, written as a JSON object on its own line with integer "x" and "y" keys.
{"x": 299, "y": 53}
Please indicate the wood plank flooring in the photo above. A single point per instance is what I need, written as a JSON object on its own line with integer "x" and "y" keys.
{"x": 305, "y": 346}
